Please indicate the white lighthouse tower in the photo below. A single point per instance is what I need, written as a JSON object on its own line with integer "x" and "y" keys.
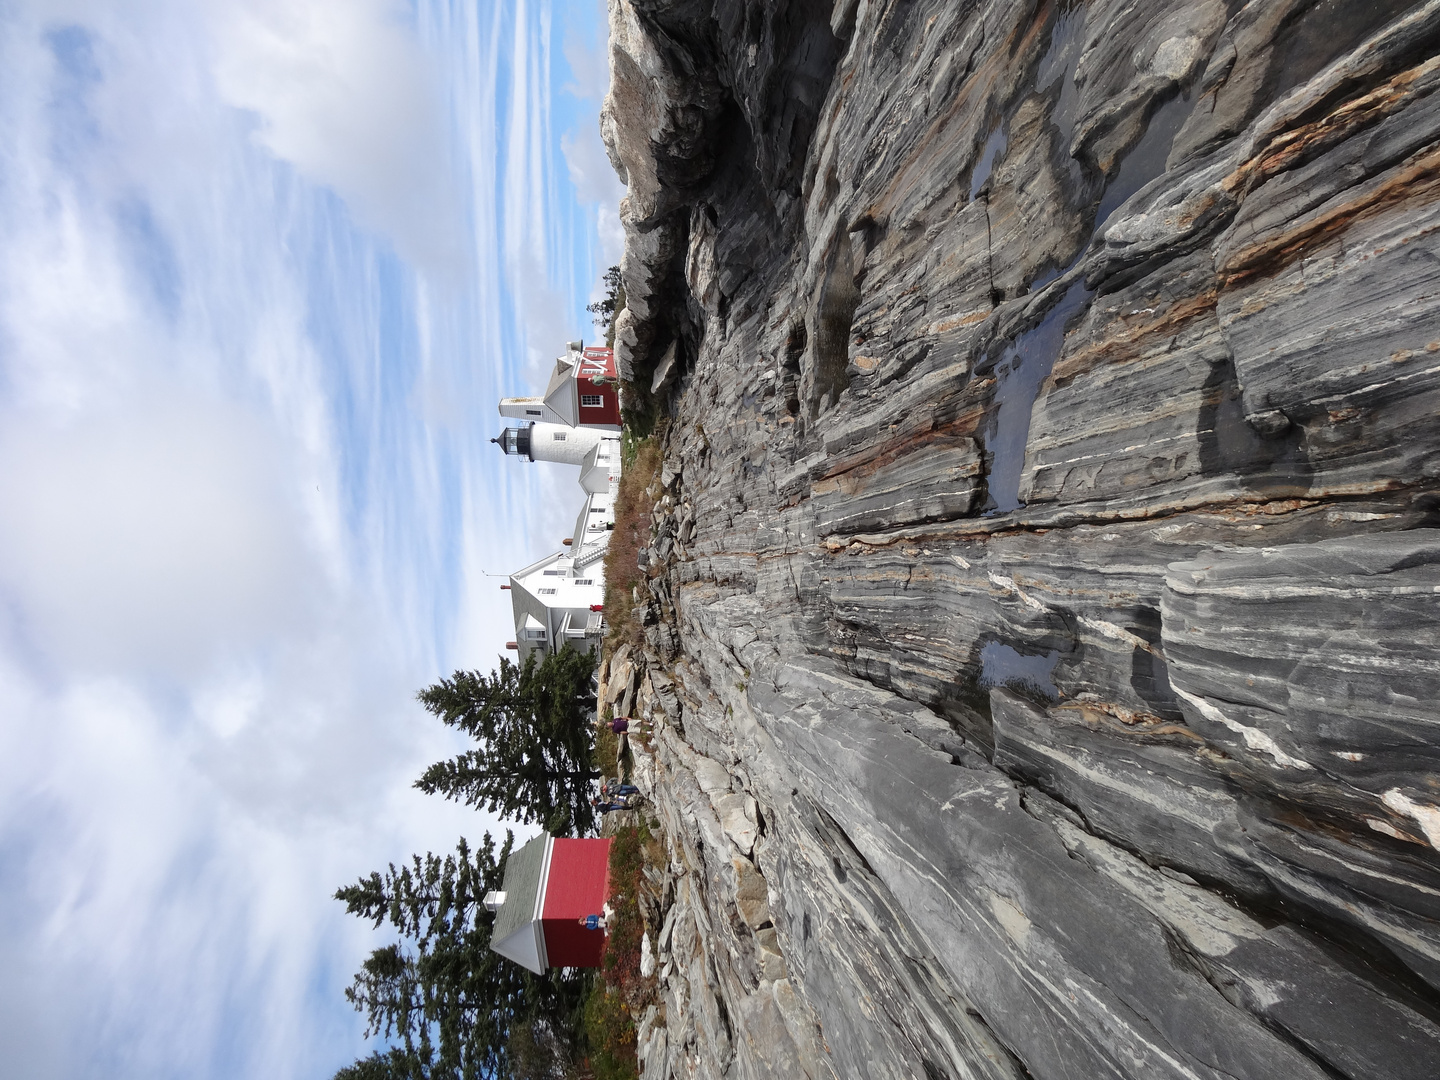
{"x": 596, "y": 452}
{"x": 539, "y": 441}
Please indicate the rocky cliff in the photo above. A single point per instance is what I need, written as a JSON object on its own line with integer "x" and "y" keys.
{"x": 1043, "y": 618}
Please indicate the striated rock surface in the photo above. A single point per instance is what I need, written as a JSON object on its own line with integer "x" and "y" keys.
{"x": 1044, "y": 616}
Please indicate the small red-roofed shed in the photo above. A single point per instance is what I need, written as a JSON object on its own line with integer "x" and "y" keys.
{"x": 551, "y": 886}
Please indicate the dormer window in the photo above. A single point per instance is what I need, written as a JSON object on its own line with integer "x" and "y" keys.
{"x": 559, "y": 436}
{"x": 591, "y": 401}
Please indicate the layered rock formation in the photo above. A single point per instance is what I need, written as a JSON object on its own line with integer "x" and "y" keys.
{"x": 1043, "y": 619}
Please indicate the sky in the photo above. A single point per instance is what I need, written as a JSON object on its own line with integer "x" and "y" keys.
{"x": 266, "y": 267}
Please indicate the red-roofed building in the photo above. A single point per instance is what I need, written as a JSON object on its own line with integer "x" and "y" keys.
{"x": 552, "y": 885}
{"x": 583, "y": 391}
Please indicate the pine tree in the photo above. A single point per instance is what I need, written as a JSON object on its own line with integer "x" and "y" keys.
{"x": 448, "y": 1005}
{"x": 605, "y": 310}
{"x": 533, "y": 724}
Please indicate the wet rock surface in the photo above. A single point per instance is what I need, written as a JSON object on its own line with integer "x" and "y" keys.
{"x": 1045, "y": 600}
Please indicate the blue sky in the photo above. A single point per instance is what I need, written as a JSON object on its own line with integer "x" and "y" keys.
{"x": 265, "y": 268}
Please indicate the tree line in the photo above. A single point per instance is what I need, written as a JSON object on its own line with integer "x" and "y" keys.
{"x": 442, "y": 1002}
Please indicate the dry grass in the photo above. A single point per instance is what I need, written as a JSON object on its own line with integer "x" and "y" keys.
{"x": 632, "y": 532}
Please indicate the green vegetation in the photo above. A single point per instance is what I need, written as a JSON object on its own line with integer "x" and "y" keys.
{"x": 622, "y": 993}
{"x": 448, "y": 1005}
{"x": 611, "y": 1034}
{"x": 535, "y": 758}
{"x": 637, "y": 494}
{"x": 449, "y": 1008}
{"x": 607, "y": 746}
{"x": 607, "y": 310}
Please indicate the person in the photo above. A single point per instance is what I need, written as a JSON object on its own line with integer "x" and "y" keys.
{"x": 615, "y": 789}
{"x": 621, "y": 724}
{"x": 592, "y": 922}
{"x": 608, "y": 805}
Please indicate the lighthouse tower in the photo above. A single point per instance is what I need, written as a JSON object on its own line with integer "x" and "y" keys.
{"x": 597, "y": 452}
{"x": 538, "y": 441}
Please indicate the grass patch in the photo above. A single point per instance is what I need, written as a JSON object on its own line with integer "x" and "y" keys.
{"x": 621, "y": 965}
{"x": 639, "y": 472}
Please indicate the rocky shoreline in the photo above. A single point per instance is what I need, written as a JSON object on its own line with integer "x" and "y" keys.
{"x": 1042, "y": 627}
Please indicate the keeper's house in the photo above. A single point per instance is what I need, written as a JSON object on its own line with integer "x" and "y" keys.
{"x": 560, "y": 600}
{"x": 557, "y": 602}
{"x": 552, "y": 886}
{"x": 582, "y": 392}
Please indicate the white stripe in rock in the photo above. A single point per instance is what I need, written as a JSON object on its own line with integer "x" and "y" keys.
{"x": 1428, "y": 816}
{"x": 1254, "y": 738}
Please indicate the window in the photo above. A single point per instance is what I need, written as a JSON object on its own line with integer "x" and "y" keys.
{"x": 554, "y": 573}
{"x": 534, "y": 412}
{"x": 547, "y": 592}
{"x": 584, "y": 581}
{"x": 534, "y": 635}
{"x": 559, "y": 436}
{"x": 591, "y": 401}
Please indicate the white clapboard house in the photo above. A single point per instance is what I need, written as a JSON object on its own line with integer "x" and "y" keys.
{"x": 559, "y": 600}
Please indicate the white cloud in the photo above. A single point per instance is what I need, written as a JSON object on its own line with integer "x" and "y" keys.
{"x": 342, "y": 91}
{"x": 248, "y": 501}
{"x": 185, "y": 922}
{"x": 149, "y": 537}
{"x": 217, "y": 587}
{"x": 611, "y": 233}
{"x": 589, "y": 63}
{"x": 590, "y": 169}
{"x": 595, "y": 182}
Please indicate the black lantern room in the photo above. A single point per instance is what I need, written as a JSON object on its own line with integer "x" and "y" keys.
{"x": 516, "y": 441}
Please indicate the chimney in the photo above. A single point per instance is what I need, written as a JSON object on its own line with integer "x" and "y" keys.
{"x": 568, "y": 541}
{"x": 506, "y": 588}
{"x": 512, "y": 645}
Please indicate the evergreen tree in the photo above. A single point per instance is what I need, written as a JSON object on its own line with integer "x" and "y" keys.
{"x": 605, "y": 310}
{"x": 533, "y": 723}
{"x": 448, "y": 1005}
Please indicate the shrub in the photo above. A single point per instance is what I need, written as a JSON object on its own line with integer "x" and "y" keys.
{"x": 611, "y": 1033}
{"x": 622, "y": 993}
